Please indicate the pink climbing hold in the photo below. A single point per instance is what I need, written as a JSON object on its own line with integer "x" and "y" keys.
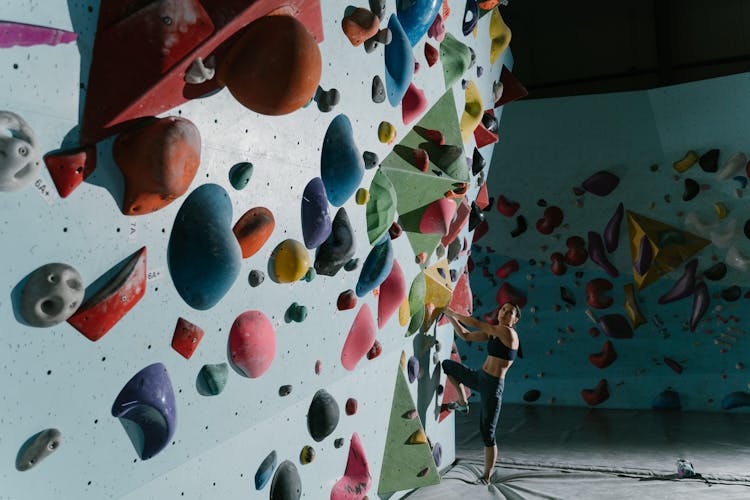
{"x": 360, "y": 339}
{"x": 508, "y": 293}
{"x": 413, "y": 104}
{"x": 392, "y": 293}
{"x": 462, "y": 218}
{"x": 357, "y": 480}
{"x": 437, "y": 29}
{"x": 507, "y": 269}
{"x": 483, "y": 199}
{"x": 450, "y": 395}
{"x": 438, "y": 216}
{"x": 252, "y": 343}
{"x": 461, "y": 300}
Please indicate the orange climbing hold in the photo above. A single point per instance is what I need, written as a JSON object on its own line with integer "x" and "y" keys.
{"x": 360, "y": 25}
{"x": 253, "y": 230}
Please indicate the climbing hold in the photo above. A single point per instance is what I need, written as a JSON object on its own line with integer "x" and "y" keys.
{"x": 371, "y": 160}
{"x": 360, "y": 338}
{"x": 37, "y": 448}
{"x": 289, "y": 261}
{"x": 477, "y": 165}
{"x": 296, "y": 313}
{"x": 412, "y": 369}
{"x": 263, "y": 474}
{"x": 327, "y": 99}
{"x": 455, "y": 57}
{"x": 631, "y": 306}
{"x": 240, "y": 174}
{"x": 316, "y": 222}
{"x": 341, "y": 166}
{"x": 386, "y": 133}
{"x": 500, "y": 35}
{"x": 725, "y": 236}
{"x": 417, "y": 437}
{"x": 356, "y": 481}
{"x": 159, "y": 161}
{"x": 378, "y": 90}
{"x": 596, "y": 251}
{"x": 20, "y": 158}
{"x": 615, "y": 326}
{"x": 252, "y": 343}
{"x": 721, "y": 210}
{"x": 645, "y": 256}
{"x": 107, "y": 306}
{"x": 667, "y": 400}
{"x": 567, "y": 296}
{"x": 376, "y": 268}
{"x": 507, "y": 269}
{"x": 576, "y": 254}
{"x": 204, "y": 256}
{"x": 392, "y": 294}
{"x": 256, "y": 277}
{"x": 413, "y": 104}
{"x": 322, "y": 416}
{"x": 351, "y": 406}
{"x": 674, "y": 365}
{"x": 438, "y": 216}
{"x": 596, "y": 396}
{"x": 553, "y": 217}
{"x": 520, "y": 227}
{"x": 347, "y": 300}
{"x": 715, "y": 272}
{"x": 253, "y": 229}
{"x": 306, "y": 455}
{"x": 605, "y": 357}
{"x": 214, "y": 378}
{"x": 186, "y": 337}
{"x": 695, "y": 224}
{"x": 506, "y": 207}
{"x": 701, "y": 301}
{"x": 736, "y": 260}
{"x": 52, "y": 294}
{"x": 508, "y": 293}
{"x": 735, "y": 400}
{"x": 486, "y": 131}
{"x": 338, "y": 249}
{"x": 686, "y": 162}
{"x": 437, "y": 29}
{"x": 472, "y": 115}
{"x": 351, "y": 265}
{"x": 709, "y": 161}
{"x": 381, "y": 209}
{"x": 274, "y": 67}
{"x": 404, "y": 314}
{"x": 732, "y": 167}
{"x": 360, "y": 25}
{"x": 684, "y": 286}
{"x": 431, "y": 54}
{"x": 417, "y": 17}
{"x": 531, "y": 395}
{"x": 147, "y": 400}
{"x": 286, "y": 483}
{"x": 692, "y": 188}
{"x": 612, "y": 230}
{"x": 70, "y": 168}
{"x": 375, "y": 351}
{"x": 731, "y": 294}
{"x": 399, "y": 62}
{"x": 601, "y": 183}
{"x": 471, "y": 16}
{"x": 558, "y": 266}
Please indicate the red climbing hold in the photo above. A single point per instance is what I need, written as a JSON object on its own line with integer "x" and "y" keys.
{"x": 482, "y": 229}
{"x": 462, "y": 217}
{"x": 413, "y": 104}
{"x": 375, "y": 351}
{"x": 69, "y": 169}
{"x": 186, "y": 337}
{"x": 596, "y": 396}
{"x": 351, "y": 406}
{"x": 513, "y": 89}
{"x": 421, "y": 159}
{"x": 506, "y": 207}
{"x": 606, "y": 357}
{"x": 674, "y": 365}
{"x": 482, "y": 200}
{"x": 461, "y": 300}
{"x": 576, "y": 254}
{"x": 508, "y": 293}
{"x": 347, "y": 300}
{"x": 507, "y": 269}
{"x": 558, "y": 267}
{"x": 595, "y": 290}
{"x": 431, "y": 54}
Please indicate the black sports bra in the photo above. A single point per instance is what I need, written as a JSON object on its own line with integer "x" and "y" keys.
{"x": 496, "y": 348}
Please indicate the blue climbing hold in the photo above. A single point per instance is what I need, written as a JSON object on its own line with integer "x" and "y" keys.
{"x": 667, "y": 400}
{"x": 416, "y": 17}
{"x": 376, "y": 268}
{"x": 399, "y": 63}
{"x": 316, "y": 222}
{"x": 203, "y": 254}
{"x": 263, "y": 474}
{"x": 341, "y": 166}
{"x": 735, "y": 400}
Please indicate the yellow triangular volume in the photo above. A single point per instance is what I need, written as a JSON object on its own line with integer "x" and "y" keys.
{"x": 670, "y": 247}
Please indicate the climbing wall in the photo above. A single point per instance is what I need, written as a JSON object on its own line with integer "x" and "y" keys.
{"x": 214, "y": 279}
{"x": 621, "y": 221}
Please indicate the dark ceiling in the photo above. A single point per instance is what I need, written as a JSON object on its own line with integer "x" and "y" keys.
{"x": 593, "y": 46}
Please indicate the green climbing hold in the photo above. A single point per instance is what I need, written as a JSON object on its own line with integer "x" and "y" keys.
{"x": 213, "y": 379}
{"x": 455, "y": 57}
{"x": 240, "y": 174}
{"x": 310, "y": 275}
{"x": 296, "y": 313}
{"x": 381, "y": 208}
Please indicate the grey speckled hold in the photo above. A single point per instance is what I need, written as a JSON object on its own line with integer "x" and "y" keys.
{"x": 378, "y": 89}
{"x": 377, "y": 7}
{"x": 255, "y": 277}
{"x": 327, "y": 99}
{"x": 371, "y": 160}
{"x": 37, "y": 448}
{"x": 51, "y": 295}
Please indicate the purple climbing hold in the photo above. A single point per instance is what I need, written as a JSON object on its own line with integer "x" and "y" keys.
{"x": 596, "y": 252}
{"x": 612, "y": 230}
{"x": 412, "y": 369}
{"x": 471, "y": 16}
{"x": 316, "y": 222}
{"x": 148, "y": 401}
{"x": 684, "y": 286}
{"x": 616, "y": 326}
{"x": 601, "y": 183}
{"x": 645, "y": 256}
{"x": 701, "y": 301}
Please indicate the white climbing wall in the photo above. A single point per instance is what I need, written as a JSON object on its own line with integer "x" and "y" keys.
{"x": 54, "y": 377}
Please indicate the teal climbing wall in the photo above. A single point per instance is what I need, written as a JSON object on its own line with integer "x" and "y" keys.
{"x": 548, "y": 148}
{"x": 54, "y": 377}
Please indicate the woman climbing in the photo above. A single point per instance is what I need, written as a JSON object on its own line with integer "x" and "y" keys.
{"x": 502, "y": 349}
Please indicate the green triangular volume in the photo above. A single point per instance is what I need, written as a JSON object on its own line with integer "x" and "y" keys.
{"x": 403, "y": 462}
{"x": 381, "y": 207}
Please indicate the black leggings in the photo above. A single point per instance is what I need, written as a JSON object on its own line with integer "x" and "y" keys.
{"x": 490, "y": 389}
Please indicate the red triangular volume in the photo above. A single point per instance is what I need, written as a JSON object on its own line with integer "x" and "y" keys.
{"x": 512, "y": 88}
{"x": 69, "y": 169}
{"x": 142, "y": 52}
{"x": 482, "y": 135}
{"x": 483, "y": 198}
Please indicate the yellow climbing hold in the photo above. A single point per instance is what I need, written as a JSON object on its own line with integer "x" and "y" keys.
{"x": 721, "y": 209}
{"x": 307, "y": 455}
{"x": 402, "y": 362}
{"x": 386, "y": 132}
{"x": 290, "y": 261}
{"x": 404, "y": 314}
{"x": 631, "y": 306}
{"x": 499, "y": 35}
{"x": 417, "y": 437}
{"x": 362, "y": 196}
{"x": 473, "y": 110}
{"x": 686, "y": 162}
